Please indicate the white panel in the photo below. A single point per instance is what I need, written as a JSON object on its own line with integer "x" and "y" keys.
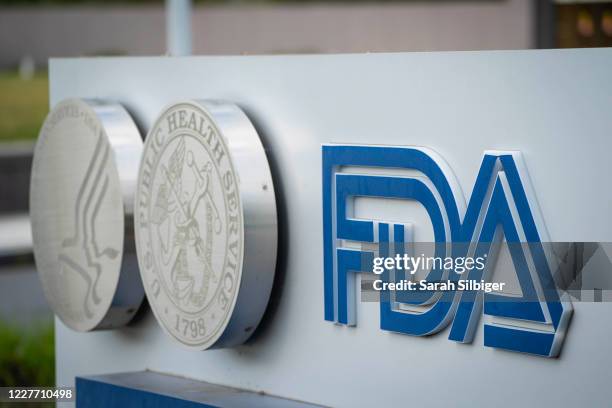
{"x": 554, "y": 106}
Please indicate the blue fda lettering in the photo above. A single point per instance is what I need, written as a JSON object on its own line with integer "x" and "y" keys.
{"x": 502, "y": 205}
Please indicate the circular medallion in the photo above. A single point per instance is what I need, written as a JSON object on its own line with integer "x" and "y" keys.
{"x": 81, "y": 201}
{"x": 206, "y": 224}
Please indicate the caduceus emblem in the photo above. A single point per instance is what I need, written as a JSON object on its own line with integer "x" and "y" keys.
{"x": 81, "y": 252}
{"x": 186, "y": 249}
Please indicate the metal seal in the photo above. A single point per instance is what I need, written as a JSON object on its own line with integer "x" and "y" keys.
{"x": 206, "y": 224}
{"x": 81, "y": 200}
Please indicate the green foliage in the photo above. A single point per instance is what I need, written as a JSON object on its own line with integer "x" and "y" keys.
{"x": 27, "y": 356}
{"x": 24, "y": 103}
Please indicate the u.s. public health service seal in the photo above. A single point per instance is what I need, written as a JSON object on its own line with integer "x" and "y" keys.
{"x": 205, "y": 221}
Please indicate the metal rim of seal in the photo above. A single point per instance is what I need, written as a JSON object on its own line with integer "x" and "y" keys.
{"x": 208, "y": 283}
{"x": 81, "y": 200}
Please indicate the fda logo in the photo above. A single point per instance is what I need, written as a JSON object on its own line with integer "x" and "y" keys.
{"x": 501, "y": 206}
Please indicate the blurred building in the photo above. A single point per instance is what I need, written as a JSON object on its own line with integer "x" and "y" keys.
{"x": 326, "y": 27}
{"x": 583, "y": 24}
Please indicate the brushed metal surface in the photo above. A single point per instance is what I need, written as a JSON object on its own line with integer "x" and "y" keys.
{"x": 206, "y": 224}
{"x": 81, "y": 200}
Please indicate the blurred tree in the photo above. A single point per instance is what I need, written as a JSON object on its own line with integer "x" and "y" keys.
{"x": 24, "y": 103}
{"x": 27, "y": 356}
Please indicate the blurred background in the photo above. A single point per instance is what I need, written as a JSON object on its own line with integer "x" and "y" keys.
{"x": 33, "y": 31}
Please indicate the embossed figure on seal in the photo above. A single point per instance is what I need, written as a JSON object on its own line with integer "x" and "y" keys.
{"x": 81, "y": 251}
{"x": 186, "y": 247}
